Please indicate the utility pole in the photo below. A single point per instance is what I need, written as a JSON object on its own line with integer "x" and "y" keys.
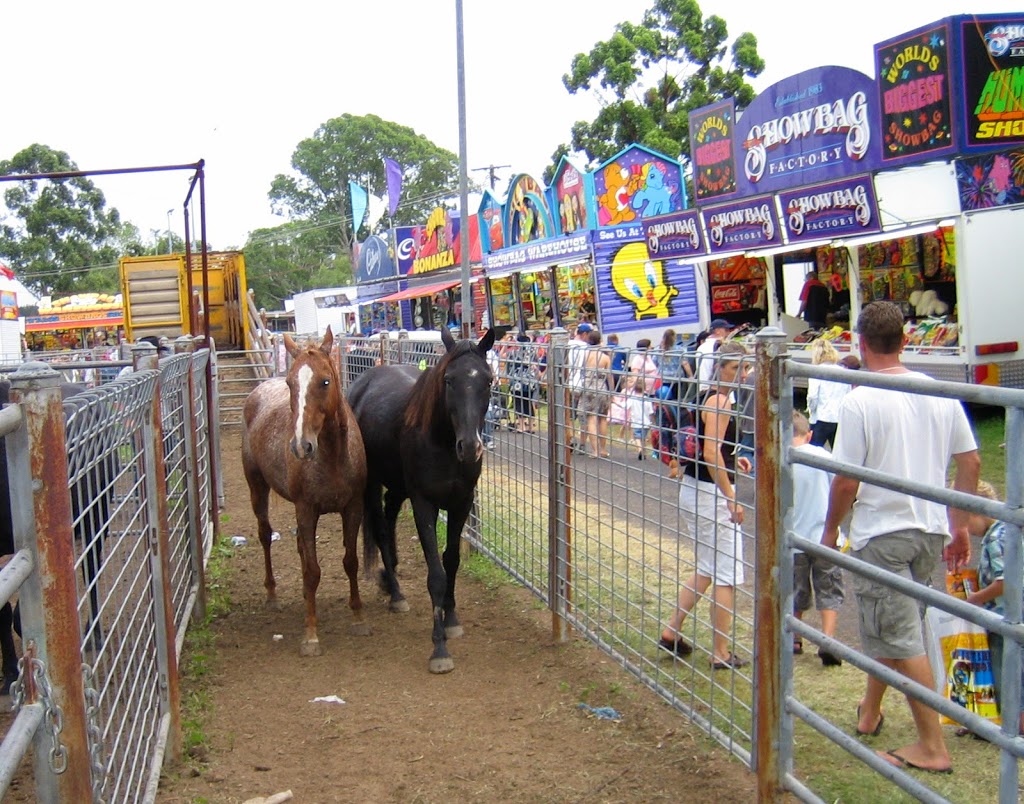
{"x": 490, "y": 170}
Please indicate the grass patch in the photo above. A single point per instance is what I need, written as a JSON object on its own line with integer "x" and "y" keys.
{"x": 990, "y": 430}
{"x": 199, "y": 654}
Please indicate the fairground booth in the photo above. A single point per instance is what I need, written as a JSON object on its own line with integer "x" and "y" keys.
{"x": 81, "y": 321}
{"x": 905, "y": 187}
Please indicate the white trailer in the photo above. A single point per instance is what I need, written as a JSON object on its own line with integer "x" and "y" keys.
{"x": 315, "y": 310}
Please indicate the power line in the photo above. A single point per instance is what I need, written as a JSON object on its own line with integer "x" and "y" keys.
{"x": 491, "y": 172}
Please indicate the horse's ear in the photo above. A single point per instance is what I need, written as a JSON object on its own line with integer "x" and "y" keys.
{"x": 328, "y": 341}
{"x": 486, "y": 342}
{"x": 447, "y": 339}
{"x": 290, "y": 345}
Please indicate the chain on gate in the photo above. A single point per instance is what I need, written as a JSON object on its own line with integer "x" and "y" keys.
{"x": 53, "y": 715}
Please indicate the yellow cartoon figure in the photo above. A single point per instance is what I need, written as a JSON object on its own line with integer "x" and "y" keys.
{"x": 641, "y": 281}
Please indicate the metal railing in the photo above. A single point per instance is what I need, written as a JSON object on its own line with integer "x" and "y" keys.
{"x": 107, "y": 595}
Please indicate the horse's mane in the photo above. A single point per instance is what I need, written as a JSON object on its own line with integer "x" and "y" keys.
{"x": 419, "y": 413}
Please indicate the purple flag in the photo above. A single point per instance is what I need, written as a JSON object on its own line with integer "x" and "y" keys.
{"x": 393, "y": 172}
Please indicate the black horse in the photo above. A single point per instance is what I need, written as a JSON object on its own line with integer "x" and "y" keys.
{"x": 90, "y": 504}
{"x": 422, "y": 432}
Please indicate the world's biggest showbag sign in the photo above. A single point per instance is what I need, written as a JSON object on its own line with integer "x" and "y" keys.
{"x": 816, "y": 126}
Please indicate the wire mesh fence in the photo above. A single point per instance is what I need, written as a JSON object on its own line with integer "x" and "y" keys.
{"x": 137, "y": 461}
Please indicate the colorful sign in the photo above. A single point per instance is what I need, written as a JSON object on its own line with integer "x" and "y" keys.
{"x": 375, "y": 259}
{"x": 548, "y": 252}
{"x": 818, "y": 125}
{"x": 914, "y": 89}
{"x": 743, "y": 225}
{"x": 527, "y": 217}
{"x": 75, "y": 320}
{"x": 635, "y": 291}
{"x": 712, "y": 150}
{"x": 438, "y": 245}
{"x": 992, "y": 54}
{"x": 570, "y": 193}
{"x": 637, "y": 183}
{"x": 678, "y": 236}
{"x": 490, "y": 222}
{"x": 826, "y": 211}
{"x": 990, "y": 180}
{"x": 8, "y": 305}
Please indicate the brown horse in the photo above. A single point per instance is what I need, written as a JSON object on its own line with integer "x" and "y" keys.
{"x": 301, "y": 440}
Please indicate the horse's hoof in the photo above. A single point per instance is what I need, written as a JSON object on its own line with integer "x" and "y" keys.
{"x": 443, "y": 665}
{"x": 360, "y": 629}
{"x": 453, "y": 631}
{"x": 399, "y": 606}
{"x": 311, "y": 648}
{"x": 274, "y": 604}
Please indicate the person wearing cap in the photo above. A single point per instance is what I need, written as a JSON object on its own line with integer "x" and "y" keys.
{"x": 718, "y": 331}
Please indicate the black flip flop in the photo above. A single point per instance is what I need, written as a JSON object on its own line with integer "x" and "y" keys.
{"x": 906, "y": 763}
{"x": 878, "y": 728}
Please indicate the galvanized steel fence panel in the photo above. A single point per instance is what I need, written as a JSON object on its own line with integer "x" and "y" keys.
{"x": 133, "y": 484}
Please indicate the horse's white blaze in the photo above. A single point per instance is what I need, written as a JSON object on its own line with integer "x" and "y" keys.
{"x": 305, "y": 378}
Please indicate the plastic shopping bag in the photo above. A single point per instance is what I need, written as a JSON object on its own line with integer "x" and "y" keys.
{"x": 961, "y": 663}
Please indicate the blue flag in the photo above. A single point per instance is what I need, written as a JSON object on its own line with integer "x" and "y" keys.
{"x": 393, "y": 172}
{"x": 359, "y": 199}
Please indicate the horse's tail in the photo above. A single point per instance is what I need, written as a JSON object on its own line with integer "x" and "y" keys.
{"x": 372, "y": 516}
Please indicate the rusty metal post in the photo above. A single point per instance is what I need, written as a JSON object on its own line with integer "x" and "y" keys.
{"x": 769, "y": 655}
{"x": 160, "y": 568}
{"x": 38, "y": 471}
{"x": 192, "y": 484}
{"x": 559, "y": 480}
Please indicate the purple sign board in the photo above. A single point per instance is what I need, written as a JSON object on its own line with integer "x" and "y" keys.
{"x": 675, "y": 236}
{"x": 992, "y": 71}
{"x": 837, "y": 209}
{"x": 914, "y": 90}
{"x": 712, "y": 134}
{"x": 819, "y": 125}
{"x": 753, "y": 223}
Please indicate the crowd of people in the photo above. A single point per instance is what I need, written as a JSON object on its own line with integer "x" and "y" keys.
{"x": 708, "y": 383}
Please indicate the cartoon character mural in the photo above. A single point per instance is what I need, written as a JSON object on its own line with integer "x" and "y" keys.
{"x": 637, "y": 183}
{"x": 641, "y": 282}
{"x": 570, "y": 197}
{"x": 527, "y": 217}
{"x": 490, "y": 222}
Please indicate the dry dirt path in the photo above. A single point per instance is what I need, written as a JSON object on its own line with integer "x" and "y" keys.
{"x": 504, "y": 726}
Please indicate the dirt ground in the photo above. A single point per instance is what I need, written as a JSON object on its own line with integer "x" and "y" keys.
{"x": 504, "y": 726}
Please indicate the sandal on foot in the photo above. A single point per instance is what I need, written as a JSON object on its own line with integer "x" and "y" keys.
{"x": 828, "y": 658}
{"x": 798, "y": 647}
{"x": 677, "y": 647}
{"x": 903, "y": 762}
{"x": 878, "y": 728}
{"x": 733, "y": 662}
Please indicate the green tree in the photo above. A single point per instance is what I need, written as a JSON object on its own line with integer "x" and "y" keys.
{"x": 676, "y": 60}
{"x": 353, "y": 148}
{"x": 288, "y": 259}
{"x": 56, "y": 233}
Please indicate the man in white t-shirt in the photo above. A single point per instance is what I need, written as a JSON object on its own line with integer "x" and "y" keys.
{"x": 910, "y": 436}
{"x": 574, "y": 359}
{"x": 718, "y": 331}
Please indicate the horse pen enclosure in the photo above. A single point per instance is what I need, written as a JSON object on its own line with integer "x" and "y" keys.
{"x": 599, "y": 544}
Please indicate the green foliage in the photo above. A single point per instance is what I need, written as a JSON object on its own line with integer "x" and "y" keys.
{"x": 289, "y": 259}
{"x": 354, "y": 148}
{"x": 56, "y": 232}
{"x": 651, "y": 76}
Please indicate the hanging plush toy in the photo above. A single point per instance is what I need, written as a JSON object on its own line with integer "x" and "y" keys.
{"x": 927, "y": 303}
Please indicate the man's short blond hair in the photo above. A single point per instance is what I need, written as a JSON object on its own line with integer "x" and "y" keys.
{"x": 801, "y": 426}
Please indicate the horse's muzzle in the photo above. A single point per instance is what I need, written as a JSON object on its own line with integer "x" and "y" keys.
{"x": 304, "y": 450}
{"x": 469, "y": 450}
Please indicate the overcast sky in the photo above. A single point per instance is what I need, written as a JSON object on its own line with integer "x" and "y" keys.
{"x": 119, "y": 83}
